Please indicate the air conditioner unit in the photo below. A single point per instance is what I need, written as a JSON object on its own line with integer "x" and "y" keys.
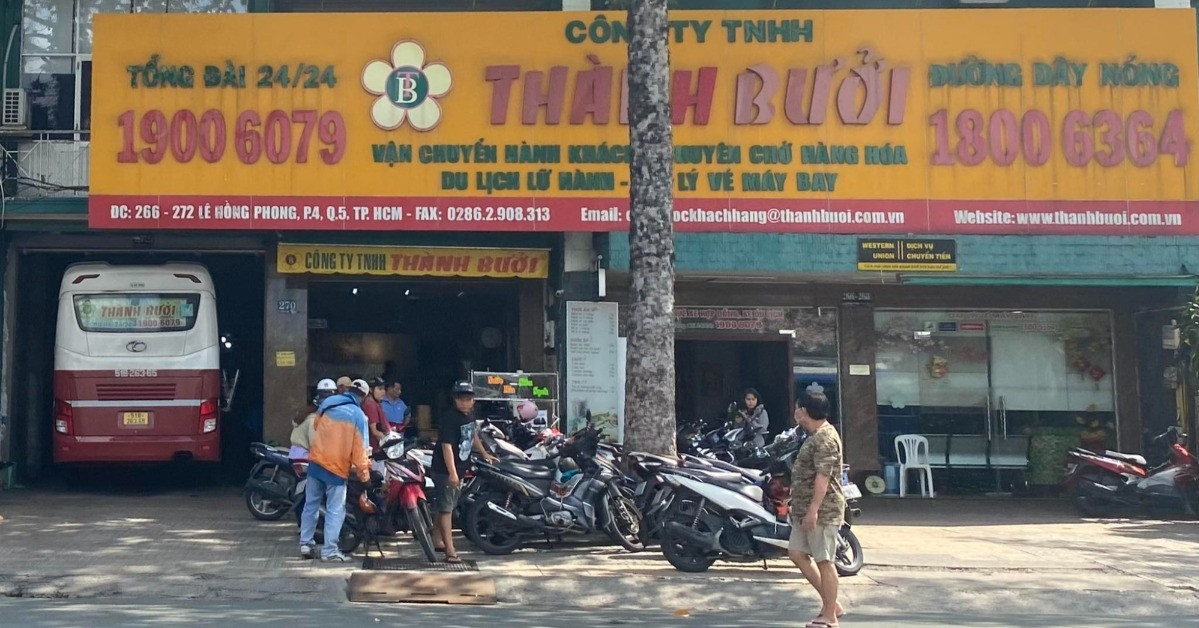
{"x": 16, "y": 109}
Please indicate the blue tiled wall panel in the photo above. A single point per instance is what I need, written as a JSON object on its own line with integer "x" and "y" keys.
{"x": 977, "y": 255}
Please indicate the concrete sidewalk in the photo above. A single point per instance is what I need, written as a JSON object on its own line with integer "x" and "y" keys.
{"x": 974, "y": 556}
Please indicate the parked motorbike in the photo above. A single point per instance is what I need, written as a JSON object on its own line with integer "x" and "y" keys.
{"x": 270, "y": 491}
{"x": 712, "y": 520}
{"x": 1104, "y": 482}
{"x": 405, "y": 505}
{"x": 574, "y": 491}
{"x": 508, "y": 444}
{"x": 784, "y": 445}
{"x": 653, "y": 495}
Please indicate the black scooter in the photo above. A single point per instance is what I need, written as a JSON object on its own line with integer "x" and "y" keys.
{"x": 271, "y": 491}
{"x": 522, "y": 501}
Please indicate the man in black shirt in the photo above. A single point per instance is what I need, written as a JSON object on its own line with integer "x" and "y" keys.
{"x": 455, "y": 431}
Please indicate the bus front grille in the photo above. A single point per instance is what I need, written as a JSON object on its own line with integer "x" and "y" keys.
{"x": 148, "y": 391}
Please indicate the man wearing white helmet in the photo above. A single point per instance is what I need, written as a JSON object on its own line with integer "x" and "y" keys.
{"x": 340, "y": 448}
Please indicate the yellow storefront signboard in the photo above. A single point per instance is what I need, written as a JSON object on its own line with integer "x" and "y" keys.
{"x": 413, "y": 261}
{"x": 870, "y": 122}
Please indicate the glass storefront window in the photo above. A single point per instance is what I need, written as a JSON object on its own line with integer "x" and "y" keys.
{"x": 996, "y": 374}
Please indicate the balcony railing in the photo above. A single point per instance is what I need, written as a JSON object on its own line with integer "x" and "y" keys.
{"x": 46, "y": 166}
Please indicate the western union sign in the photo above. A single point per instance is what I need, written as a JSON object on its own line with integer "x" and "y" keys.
{"x": 889, "y": 254}
{"x": 413, "y": 261}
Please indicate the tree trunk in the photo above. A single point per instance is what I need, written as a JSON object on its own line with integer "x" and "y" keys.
{"x": 649, "y": 398}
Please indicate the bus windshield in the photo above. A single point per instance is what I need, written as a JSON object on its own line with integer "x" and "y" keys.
{"x": 136, "y": 312}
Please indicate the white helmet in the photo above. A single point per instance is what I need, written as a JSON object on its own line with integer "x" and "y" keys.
{"x": 326, "y": 386}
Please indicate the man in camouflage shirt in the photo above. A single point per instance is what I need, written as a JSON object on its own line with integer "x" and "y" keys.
{"x": 817, "y": 505}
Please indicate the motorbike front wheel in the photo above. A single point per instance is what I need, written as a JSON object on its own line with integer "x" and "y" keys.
{"x": 420, "y": 524}
{"x": 1095, "y": 505}
{"x": 490, "y": 531}
{"x": 680, "y": 553}
{"x": 350, "y": 538}
{"x": 624, "y": 523}
{"x": 849, "y": 559}
{"x": 262, "y": 507}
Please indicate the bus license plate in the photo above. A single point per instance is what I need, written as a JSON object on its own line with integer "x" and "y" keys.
{"x": 852, "y": 492}
{"x": 135, "y": 418}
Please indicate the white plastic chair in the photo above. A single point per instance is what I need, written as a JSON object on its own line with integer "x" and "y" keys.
{"x": 912, "y": 452}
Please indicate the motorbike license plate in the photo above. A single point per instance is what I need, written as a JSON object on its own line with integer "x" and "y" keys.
{"x": 851, "y": 491}
{"x": 135, "y": 418}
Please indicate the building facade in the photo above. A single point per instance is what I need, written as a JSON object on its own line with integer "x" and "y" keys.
{"x": 975, "y": 240}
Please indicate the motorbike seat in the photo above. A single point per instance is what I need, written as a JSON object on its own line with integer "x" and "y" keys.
{"x": 1133, "y": 458}
{"x": 752, "y": 491}
{"x": 528, "y": 469}
{"x": 663, "y": 460}
{"x": 715, "y": 475}
{"x": 276, "y": 457}
{"x": 727, "y": 466}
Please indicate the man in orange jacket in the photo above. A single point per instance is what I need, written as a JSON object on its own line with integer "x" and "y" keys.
{"x": 340, "y": 445}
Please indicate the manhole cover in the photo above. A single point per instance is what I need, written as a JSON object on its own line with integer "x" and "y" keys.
{"x": 374, "y": 563}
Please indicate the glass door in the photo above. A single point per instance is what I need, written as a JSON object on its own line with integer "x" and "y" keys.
{"x": 994, "y": 379}
{"x": 1052, "y": 371}
{"x": 933, "y": 378}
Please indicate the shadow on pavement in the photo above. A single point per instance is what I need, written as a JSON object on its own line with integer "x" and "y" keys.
{"x": 974, "y": 512}
{"x": 60, "y": 614}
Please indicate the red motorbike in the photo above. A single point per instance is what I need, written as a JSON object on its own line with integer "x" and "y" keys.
{"x": 405, "y": 505}
{"x": 1104, "y": 482}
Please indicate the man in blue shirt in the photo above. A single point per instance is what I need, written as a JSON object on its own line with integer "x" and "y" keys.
{"x": 394, "y": 409}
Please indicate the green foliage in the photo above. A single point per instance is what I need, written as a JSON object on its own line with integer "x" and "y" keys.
{"x": 1189, "y": 330}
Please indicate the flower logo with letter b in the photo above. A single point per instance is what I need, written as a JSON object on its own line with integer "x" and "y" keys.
{"x": 407, "y": 89}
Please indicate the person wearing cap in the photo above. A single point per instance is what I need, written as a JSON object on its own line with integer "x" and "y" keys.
{"x": 455, "y": 430}
{"x": 343, "y": 384}
{"x": 339, "y": 448}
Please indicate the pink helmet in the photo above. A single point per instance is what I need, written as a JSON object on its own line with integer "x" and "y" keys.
{"x": 527, "y": 410}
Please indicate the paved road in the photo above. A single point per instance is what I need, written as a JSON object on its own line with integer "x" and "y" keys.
{"x": 979, "y": 558}
{"x": 103, "y": 613}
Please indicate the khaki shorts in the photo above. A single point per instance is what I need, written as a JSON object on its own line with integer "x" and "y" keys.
{"x": 820, "y": 543}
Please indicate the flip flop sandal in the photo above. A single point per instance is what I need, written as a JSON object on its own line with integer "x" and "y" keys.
{"x": 820, "y": 623}
{"x": 453, "y": 559}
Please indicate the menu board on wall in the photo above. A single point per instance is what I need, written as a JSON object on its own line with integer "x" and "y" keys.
{"x": 593, "y": 382}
